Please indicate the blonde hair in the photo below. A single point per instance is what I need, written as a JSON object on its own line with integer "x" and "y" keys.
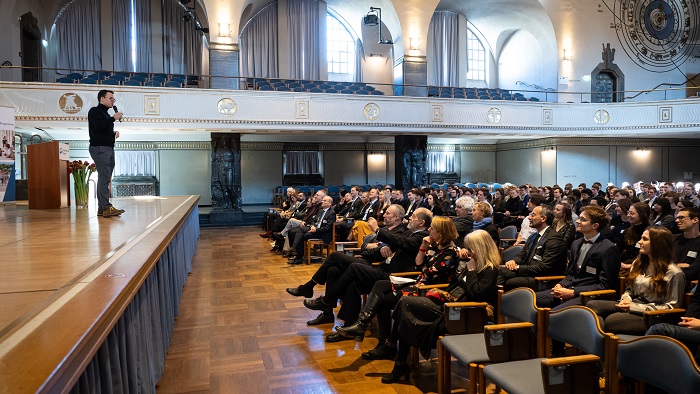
{"x": 481, "y": 243}
{"x": 446, "y": 228}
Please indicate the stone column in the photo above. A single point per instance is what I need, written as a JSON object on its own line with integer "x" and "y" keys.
{"x": 411, "y": 70}
{"x": 411, "y": 154}
{"x": 226, "y": 172}
{"x": 223, "y": 64}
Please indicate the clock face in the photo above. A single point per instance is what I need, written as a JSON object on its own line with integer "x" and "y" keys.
{"x": 658, "y": 35}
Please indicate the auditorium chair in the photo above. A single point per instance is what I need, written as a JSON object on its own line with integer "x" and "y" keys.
{"x": 660, "y": 361}
{"x": 314, "y": 243}
{"x": 508, "y": 235}
{"x": 576, "y": 325}
{"x": 523, "y": 336}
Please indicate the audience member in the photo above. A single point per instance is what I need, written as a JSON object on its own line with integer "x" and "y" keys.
{"x": 687, "y": 331}
{"x": 620, "y": 222}
{"x": 359, "y": 278}
{"x": 464, "y": 223}
{"x": 594, "y": 262}
{"x": 629, "y": 244}
{"x": 688, "y": 243}
{"x": 544, "y": 253}
{"x": 661, "y": 213}
{"x": 338, "y": 262}
{"x": 434, "y": 204}
{"x": 418, "y": 321}
{"x": 319, "y": 226}
{"x": 563, "y": 222}
{"x": 481, "y": 214}
{"x": 653, "y": 283}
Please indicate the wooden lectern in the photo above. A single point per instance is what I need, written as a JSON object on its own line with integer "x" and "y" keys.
{"x": 47, "y": 175}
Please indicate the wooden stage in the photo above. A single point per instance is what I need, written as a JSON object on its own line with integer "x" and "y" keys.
{"x": 67, "y": 277}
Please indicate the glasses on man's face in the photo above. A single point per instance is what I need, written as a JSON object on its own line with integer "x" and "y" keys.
{"x": 112, "y": 99}
{"x": 682, "y": 218}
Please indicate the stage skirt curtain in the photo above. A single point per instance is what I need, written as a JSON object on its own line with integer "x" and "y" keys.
{"x": 135, "y": 163}
{"x": 132, "y": 357}
{"x": 304, "y": 39}
{"x": 359, "y": 57}
{"x": 258, "y": 45}
{"x": 182, "y": 43}
{"x": 77, "y": 36}
{"x": 444, "y": 32}
{"x": 441, "y": 162}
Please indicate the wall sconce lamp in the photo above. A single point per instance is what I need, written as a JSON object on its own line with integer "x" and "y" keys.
{"x": 641, "y": 152}
{"x": 548, "y": 149}
{"x": 224, "y": 30}
{"x": 414, "y": 44}
{"x": 567, "y": 54}
{"x": 376, "y": 55}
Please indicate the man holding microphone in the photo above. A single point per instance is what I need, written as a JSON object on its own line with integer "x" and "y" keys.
{"x": 102, "y": 137}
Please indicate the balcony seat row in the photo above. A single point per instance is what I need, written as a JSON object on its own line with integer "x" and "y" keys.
{"x": 132, "y": 79}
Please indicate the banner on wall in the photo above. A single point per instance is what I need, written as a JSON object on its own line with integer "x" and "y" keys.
{"x": 7, "y": 154}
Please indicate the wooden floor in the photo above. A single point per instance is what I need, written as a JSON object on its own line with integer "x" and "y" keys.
{"x": 239, "y": 331}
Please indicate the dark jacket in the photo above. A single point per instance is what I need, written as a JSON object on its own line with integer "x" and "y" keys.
{"x": 101, "y": 126}
{"x": 324, "y": 230}
{"x": 547, "y": 258}
{"x": 599, "y": 270}
{"x": 355, "y": 210}
{"x": 405, "y": 247}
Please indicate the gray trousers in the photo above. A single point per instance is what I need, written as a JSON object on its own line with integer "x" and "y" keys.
{"x": 103, "y": 156}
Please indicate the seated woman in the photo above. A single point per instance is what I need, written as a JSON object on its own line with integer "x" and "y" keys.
{"x": 434, "y": 204}
{"x": 653, "y": 283}
{"x": 563, "y": 222}
{"x": 638, "y": 216}
{"x": 438, "y": 260}
{"x": 662, "y": 214}
{"x": 620, "y": 222}
{"x": 483, "y": 220}
{"x": 418, "y": 320}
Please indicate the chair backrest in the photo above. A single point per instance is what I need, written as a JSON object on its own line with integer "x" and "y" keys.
{"x": 508, "y": 232}
{"x": 578, "y": 326}
{"x": 519, "y": 304}
{"x": 511, "y": 252}
{"x": 660, "y": 361}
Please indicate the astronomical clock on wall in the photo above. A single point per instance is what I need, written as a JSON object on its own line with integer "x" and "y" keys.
{"x": 658, "y": 35}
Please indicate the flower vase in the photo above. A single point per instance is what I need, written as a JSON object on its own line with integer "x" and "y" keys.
{"x": 81, "y": 194}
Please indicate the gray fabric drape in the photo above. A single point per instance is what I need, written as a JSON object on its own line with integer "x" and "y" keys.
{"x": 444, "y": 31}
{"x": 304, "y": 39}
{"x": 359, "y": 56}
{"x": 258, "y": 45}
{"x": 121, "y": 35}
{"x": 182, "y": 43}
{"x": 441, "y": 162}
{"x": 301, "y": 162}
{"x": 142, "y": 12}
{"x": 78, "y": 36}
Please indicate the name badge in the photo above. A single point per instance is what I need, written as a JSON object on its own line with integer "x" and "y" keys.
{"x": 536, "y": 257}
{"x": 591, "y": 270}
{"x": 692, "y": 254}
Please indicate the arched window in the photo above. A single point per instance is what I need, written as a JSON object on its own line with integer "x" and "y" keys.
{"x": 476, "y": 58}
{"x": 340, "y": 50}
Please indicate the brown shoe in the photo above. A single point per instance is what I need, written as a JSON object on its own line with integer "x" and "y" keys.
{"x": 111, "y": 211}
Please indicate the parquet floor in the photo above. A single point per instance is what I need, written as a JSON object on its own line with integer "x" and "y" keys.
{"x": 239, "y": 331}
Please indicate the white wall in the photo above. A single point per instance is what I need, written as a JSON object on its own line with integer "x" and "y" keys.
{"x": 521, "y": 60}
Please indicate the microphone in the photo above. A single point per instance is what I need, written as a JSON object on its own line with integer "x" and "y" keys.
{"x": 116, "y": 110}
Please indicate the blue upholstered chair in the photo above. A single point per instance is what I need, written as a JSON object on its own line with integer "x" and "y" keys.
{"x": 660, "y": 361}
{"x": 132, "y": 82}
{"x": 75, "y": 76}
{"x": 470, "y": 349}
{"x": 576, "y": 325}
{"x": 65, "y": 80}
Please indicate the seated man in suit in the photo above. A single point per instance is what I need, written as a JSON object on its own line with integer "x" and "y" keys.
{"x": 359, "y": 278}
{"x": 319, "y": 226}
{"x": 338, "y": 262}
{"x": 594, "y": 263}
{"x": 464, "y": 223}
{"x": 687, "y": 331}
{"x": 356, "y": 211}
{"x": 544, "y": 253}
